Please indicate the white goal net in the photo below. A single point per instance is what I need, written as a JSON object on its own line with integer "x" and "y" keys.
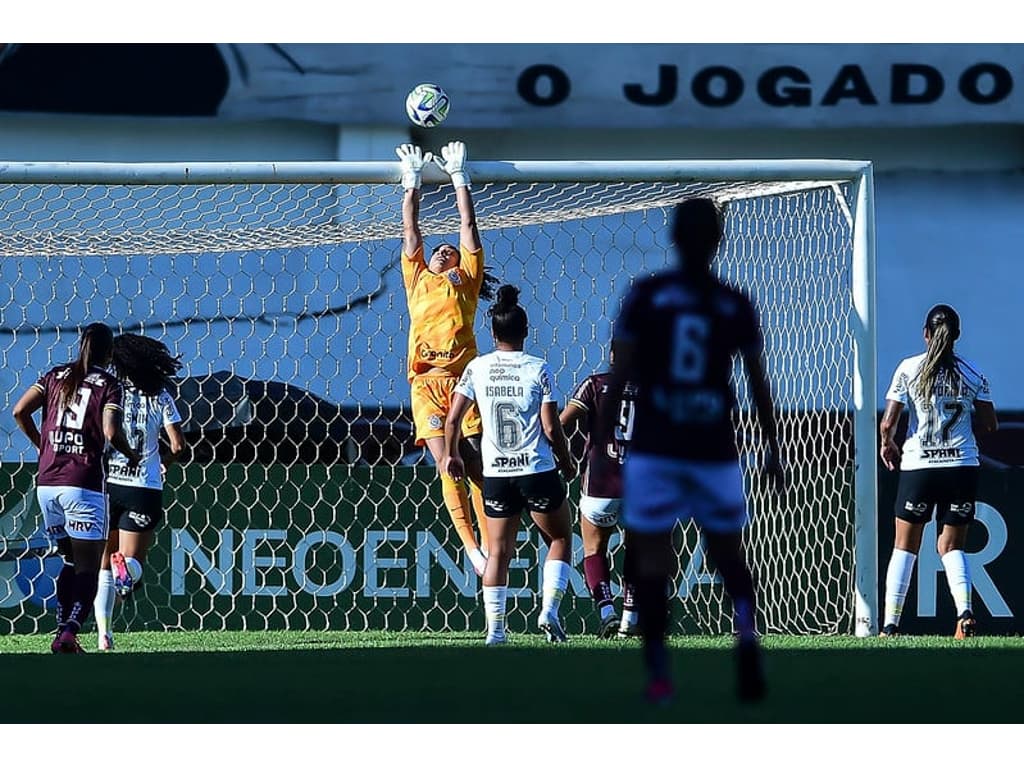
{"x": 302, "y": 502}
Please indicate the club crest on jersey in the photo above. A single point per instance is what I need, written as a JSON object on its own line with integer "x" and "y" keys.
{"x": 435, "y": 421}
{"x": 454, "y": 277}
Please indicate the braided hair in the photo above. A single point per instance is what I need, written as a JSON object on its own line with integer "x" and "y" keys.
{"x": 144, "y": 362}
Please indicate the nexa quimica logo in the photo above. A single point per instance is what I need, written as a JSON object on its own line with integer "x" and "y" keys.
{"x": 981, "y": 83}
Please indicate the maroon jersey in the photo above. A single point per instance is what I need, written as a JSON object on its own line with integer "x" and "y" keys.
{"x": 602, "y": 476}
{"x": 684, "y": 334}
{"x": 72, "y": 445}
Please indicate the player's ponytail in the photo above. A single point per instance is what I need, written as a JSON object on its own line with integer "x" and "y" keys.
{"x": 508, "y": 319}
{"x": 943, "y": 326}
{"x": 94, "y": 348}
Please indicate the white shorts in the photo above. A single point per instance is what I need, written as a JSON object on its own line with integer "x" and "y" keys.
{"x": 74, "y": 512}
{"x": 604, "y": 513}
{"x": 660, "y": 491}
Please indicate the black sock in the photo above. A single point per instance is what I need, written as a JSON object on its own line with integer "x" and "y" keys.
{"x": 65, "y": 594}
{"x": 652, "y": 606}
{"x": 739, "y": 583}
{"x": 84, "y": 595}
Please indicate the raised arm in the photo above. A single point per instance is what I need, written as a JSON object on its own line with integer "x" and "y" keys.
{"x": 469, "y": 235}
{"x": 453, "y": 162}
{"x": 412, "y": 239}
{"x": 412, "y": 160}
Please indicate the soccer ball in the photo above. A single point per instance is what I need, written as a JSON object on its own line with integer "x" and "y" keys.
{"x": 427, "y": 105}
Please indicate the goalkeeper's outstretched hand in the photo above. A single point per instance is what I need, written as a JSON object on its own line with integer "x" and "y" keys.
{"x": 453, "y": 162}
{"x": 412, "y": 160}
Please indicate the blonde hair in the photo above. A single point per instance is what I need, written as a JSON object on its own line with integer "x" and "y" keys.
{"x": 943, "y": 330}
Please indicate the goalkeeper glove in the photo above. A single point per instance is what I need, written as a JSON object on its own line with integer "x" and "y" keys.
{"x": 412, "y": 160}
{"x": 454, "y": 163}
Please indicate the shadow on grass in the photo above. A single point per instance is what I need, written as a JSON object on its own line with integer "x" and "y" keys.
{"x": 521, "y": 685}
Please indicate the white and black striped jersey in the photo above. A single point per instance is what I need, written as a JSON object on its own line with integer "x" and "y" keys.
{"x": 940, "y": 433}
{"x": 144, "y": 416}
{"x": 509, "y": 389}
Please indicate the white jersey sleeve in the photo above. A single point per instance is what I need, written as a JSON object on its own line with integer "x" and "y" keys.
{"x": 899, "y": 389}
{"x": 168, "y": 409}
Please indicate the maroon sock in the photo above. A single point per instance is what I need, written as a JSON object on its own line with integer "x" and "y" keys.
{"x": 86, "y": 585}
{"x": 595, "y": 569}
{"x": 65, "y": 594}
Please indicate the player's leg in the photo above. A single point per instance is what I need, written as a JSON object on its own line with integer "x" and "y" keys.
{"x": 650, "y": 558}
{"x": 472, "y": 458}
{"x": 597, "y": 521}
{"x": 456, "y": 501}
{"x": 726, "y": 551}
{"x": 86, "y": 515}
{"x": 430, "y": 400}
{"x": 142, "y": 513}
{"x": 54, "y": 525}
{"x": 914, "y": 502}
{"x": 503, "y": 513}
{"x": 654, "y": 501}
{"x": 630, "y": 624}
{"x": 950, "y": 544}
{"x": 720, "y": 512}
{"x": 103, "y": 606}
{"x": 955, "y": 515}
{"x": 906, "y": 545}
{"x": 470, "y": 449}
{"x": 549, "y": 507}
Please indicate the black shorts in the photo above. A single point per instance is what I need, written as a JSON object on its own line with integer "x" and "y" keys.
{"x": 510, "y": 496}
{"x": 950, "y": 490}
{"x": 135, "y": 510}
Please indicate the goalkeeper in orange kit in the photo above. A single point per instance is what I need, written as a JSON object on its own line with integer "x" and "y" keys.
{"x": 442, "y": 293}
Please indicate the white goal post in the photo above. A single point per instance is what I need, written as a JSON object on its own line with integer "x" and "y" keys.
{"x": 302, "y": 504}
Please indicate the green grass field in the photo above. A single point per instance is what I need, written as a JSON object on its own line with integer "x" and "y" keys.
{"x": 350, "y": 677}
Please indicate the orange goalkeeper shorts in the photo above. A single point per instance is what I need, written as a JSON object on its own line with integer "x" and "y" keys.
{"x": 431, "y": 400}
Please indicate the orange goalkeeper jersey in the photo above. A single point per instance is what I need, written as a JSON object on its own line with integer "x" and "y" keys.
{"x": 442, "y": 309}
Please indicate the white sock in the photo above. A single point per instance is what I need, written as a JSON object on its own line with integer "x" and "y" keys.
{"x": 494, "y": 610}
{"x": 556, "y": 579}
{"x": 958, "y": 575}
{"x": 103, "y": 605}
{"x": 897, "y": 581}
{"x": 629, "y": 618}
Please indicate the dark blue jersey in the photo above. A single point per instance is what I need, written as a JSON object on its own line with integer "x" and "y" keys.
{"x": 684, "y": 334}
